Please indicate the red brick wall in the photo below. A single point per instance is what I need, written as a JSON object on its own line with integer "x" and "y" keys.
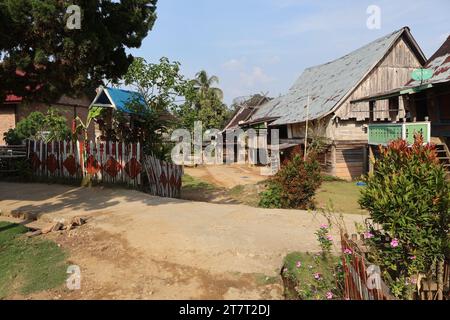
{"x": 7, "y": 119}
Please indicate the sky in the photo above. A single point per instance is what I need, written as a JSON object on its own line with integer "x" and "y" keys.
{"x": 262, "y": 46}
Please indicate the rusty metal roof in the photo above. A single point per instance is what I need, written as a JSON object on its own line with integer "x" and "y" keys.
{"x": 440, "y": 64}
{"x": 328, "y": 84}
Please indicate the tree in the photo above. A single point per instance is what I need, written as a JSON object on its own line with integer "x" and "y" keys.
{"x": 203, "y": 85}
{"x": 203, "y": 103}
{"x": 159, "y": 85}
{"x": 42, "y": 58}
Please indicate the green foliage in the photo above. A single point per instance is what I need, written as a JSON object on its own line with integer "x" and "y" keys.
{"x": 28, "y": 265}
{"x": 160, "y": 84}
{"x": 325, "y": 240}
{"x": 313, "y": 277}
{"x": 34, "y": 38}
{"x": 271, "y": 197}
{"x": 12, "y": 137}
{"x": 203, "y": 103}
{"x": 38, "y": 126}
{"x": 294, "y": 185}
{"x": 407, "y": 195}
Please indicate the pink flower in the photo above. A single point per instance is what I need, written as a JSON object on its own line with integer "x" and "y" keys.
{"x": 323, "y": 226}
{"x": 348, "y": 251}
{"x": 368, "y": 235}
{"x": 329, "y": 295}
{"x": 317, "y": 276}
{"x": 394, "y": 243}
{"x": 329, "y": 238}
{"x": 298, "y": 264}
{"x": 285, "y": 270}
{"x": 412, "y": 258}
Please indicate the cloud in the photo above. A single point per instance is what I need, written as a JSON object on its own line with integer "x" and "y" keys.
{"x": 234, "y": 64}
{"x": 255, "y": 77}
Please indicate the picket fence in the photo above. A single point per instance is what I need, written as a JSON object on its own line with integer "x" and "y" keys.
{"x": 105, "y": 162}
{"x": 362, "y": 281}
{"x": 164, "y": 178}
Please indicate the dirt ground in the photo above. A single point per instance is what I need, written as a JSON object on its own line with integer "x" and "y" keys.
{"x": 135, "y": 246}
{"x": 227, "y": 176}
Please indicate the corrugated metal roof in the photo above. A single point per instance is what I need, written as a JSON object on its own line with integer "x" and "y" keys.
{"x": 117, "y": 98}
{"x": 326, "y": 84}
{"x": 440, "y": 64}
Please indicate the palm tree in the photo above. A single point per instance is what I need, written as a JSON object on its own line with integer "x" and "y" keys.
{"x": 203, "y": 84}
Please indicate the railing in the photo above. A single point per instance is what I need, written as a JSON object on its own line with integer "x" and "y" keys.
{"x": 387, "y": 132}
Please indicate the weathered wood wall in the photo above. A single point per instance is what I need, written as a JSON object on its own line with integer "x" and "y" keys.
{"x": 350, "y": 159}
{"x": 392, "y": 72}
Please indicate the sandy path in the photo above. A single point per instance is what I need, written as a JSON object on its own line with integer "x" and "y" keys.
{"x": 227, "y": 176}
{"x": 138, "y": 246}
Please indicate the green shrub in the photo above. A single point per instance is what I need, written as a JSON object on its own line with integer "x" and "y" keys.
{"x": 38, "y": 126}
{"x": 271, "y": 197}
{"x": 13, "y": 138}
{"x": 407, "y": 196}
{"x": 294, "y": 186}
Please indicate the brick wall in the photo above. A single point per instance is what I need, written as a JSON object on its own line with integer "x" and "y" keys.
{"x": 9, "y": 116}
{"x": 7, "y": 120}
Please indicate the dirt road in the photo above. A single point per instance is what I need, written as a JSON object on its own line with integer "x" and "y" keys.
{"x": 136, "y": 246}
{"x": 227, "y": 176}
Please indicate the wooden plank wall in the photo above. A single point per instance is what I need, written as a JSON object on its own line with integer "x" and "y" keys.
{"x": 351, "y": 160}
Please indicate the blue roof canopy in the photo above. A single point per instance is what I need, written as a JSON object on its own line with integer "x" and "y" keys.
{"x": 118, "y": 99}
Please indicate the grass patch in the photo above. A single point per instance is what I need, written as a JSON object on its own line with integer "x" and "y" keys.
{"x": 192, "y": 183}
{"x": 313, "y": 279}
{"x": 343, "y": 195}
{"x": 28, "y": 265}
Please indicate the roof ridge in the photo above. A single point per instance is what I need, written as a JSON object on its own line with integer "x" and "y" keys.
{"x": 399, "y": 31}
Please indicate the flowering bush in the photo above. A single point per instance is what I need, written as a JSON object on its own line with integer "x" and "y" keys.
{"x": 311, "y": 277}
{"x": 325, "y": 239}
{"x": 294, "y": 186}
{"x": 407, "y": 195}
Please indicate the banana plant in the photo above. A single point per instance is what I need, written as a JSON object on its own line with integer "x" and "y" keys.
{"x": 93, "y": 113}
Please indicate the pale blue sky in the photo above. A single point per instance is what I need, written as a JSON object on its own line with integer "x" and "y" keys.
{"x": 264, "y": 45}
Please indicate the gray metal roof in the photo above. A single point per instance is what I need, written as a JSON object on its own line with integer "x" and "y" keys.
{"x": 327, "y": 84}
{"x": 439, "y": 63}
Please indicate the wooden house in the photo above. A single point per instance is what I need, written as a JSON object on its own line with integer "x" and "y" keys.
{"x": 323, "y": 96}
{"x": 427, "y": 103}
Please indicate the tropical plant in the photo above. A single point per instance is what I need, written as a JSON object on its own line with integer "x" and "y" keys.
{"x": 203, "y": 103}
{"x": 408, "y": 197}
{"x": 203, "y": 84}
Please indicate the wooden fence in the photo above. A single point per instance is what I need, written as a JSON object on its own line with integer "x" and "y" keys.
{"x": 362, "y": 281}
{"x": 164, "y": 178}
{"x": 104, "y": 162}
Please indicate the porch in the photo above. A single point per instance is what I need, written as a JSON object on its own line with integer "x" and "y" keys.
{"x": 383, "y": 134}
